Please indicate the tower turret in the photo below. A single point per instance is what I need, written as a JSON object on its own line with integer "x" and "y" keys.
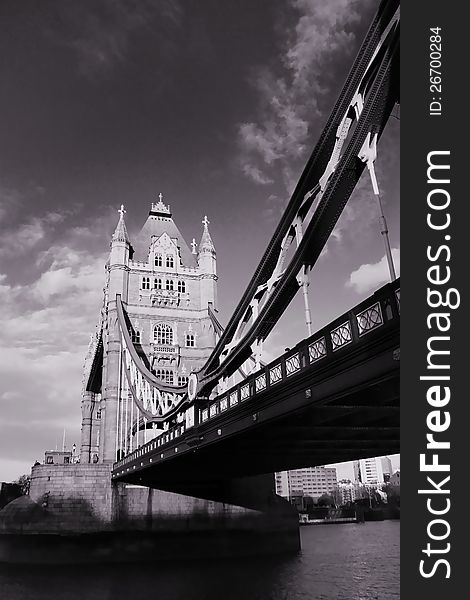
{"x": 207, "y": 262}
{"x": 119, "y": 259}
{"x": 118, "y": 283}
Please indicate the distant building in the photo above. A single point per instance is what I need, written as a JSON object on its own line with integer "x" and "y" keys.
{"x": 347, "y": 491}
{"x": 282, "y": 484}
{"x": 312, "y": 481}
{"x": 387, "y": 469}
{"x": 395, "y": 479}
{"x": 369, "y": 471}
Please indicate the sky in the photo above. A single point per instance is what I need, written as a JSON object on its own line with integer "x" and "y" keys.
{"x": 215, "y": 105}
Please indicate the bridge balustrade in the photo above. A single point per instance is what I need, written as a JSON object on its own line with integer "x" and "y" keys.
{"x": 348, "y": 329}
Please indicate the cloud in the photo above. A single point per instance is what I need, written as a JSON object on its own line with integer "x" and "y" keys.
{"x": 101, "y": 31}
{"x": 28, "y": 235}
{"x": 43, "y": 342}
{"x": 290, "y": 102}
{"x": 256, "y": 174}
{"x": 370, "y": 276}
{"x": 10, "y": 201}
{"x": 359, "y": 214}
{"x": 46, "y": 327}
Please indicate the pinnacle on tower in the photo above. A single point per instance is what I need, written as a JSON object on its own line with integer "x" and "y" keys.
{"x": 120, "y": 233}
{"x": 206, "y": 244}
{"x": 159, "y": 208}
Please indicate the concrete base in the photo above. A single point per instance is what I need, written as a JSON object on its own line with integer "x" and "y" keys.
{"x": 76, "y": 514}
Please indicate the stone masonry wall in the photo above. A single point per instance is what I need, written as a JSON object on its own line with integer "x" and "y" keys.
{"x": 81, "y": 498}
{"x": 77, "y": 497}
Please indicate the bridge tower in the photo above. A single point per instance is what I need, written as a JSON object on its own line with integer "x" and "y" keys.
{"x": 167, "y": 291}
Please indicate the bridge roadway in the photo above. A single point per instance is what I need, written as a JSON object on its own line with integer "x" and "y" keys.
{"x": 334, "y": 397}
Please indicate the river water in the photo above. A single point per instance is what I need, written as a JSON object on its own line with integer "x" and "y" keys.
{"x": 337, "y": 562}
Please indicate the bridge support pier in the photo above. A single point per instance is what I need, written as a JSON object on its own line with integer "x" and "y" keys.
{"x": 76, "y": 514}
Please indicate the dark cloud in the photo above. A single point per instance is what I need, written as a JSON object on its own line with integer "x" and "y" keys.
{"x": 101, "y": 32}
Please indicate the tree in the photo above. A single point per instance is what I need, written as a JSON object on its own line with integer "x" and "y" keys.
{"x": 393, "y": 494}
{"x": 24, "y": 481}
{"x": 326, "y": 500}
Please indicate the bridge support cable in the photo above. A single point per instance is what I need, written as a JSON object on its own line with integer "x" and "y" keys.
{"x": 117, "y": 444}
{"x": 255, "y": 358}
{"x": 154, "y": 400}
{"x": 144, "y": 402}
{"x": 129, "y": 432}
{"x": 317, "y": 204}
{"x": 123, "y": 401}
{"x": 304, "y": 281}
{"x": 368, "y": 154}
{"x": 126, "y": 427}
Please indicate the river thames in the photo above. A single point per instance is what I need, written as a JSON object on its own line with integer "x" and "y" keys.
{"x": 337, "y": 562}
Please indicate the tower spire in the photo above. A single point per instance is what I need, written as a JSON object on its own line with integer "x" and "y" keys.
{"x": 206, "y": 244}
{"x": 120, "y": 233}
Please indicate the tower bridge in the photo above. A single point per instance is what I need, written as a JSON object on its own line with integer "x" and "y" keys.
{"x": 161, "y": 408}
{"x": 163, "y": 362}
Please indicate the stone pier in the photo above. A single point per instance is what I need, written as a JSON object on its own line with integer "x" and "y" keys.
{"x": 76, "y": 514}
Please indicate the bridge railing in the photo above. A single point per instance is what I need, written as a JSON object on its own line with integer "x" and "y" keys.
{"x": 369, "y": 318}
{"x": 351, "y": 328}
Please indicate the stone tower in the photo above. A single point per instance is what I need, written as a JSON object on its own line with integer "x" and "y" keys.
{"x": 167, "y": 290}
{"x": 157, "y": 311}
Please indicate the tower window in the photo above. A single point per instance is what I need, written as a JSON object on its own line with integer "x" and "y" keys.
{"x": 170, "y": 261}
{"x": 183, "y": 379}
{"x": 158, "y": 260}
{"x": 163, "y": 334}
{"x": 165, "y": 375}
{"x": 158, "y": 284}
{"x": 169, "y": 284}
{"x": 181, "y": 287}
{"x": 145, "y": 283}
{"x": 190, "y": 341}
{"x": 135, "y": 337}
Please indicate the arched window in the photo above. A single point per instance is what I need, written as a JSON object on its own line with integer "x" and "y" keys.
{"x": 190, "y": 340}
{"x": 170, "y": 261}
{"x": 158, "y": 260}
{"x": 158, "y": 284}
{"x": 181, "y": 286}
{"x": 165, "y": 375}
{"x": 163, "y": 334}
{"x": 145, "y": 283}
{"x": 183, "y": 380}
{"x": 169, "y": 284}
